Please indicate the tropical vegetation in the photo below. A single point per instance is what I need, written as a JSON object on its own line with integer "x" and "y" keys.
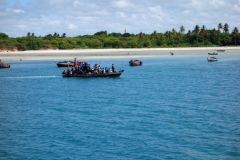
{"x": 198, "y": 37}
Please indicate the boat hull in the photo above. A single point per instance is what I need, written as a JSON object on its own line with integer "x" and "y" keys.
{"x": 135, "y": 63}
{"x": 111, "y": 74}
{"x": 5, "y": 66}
{"x": 212, "y": 53}
{"x": 68, "y": 63}
{"x": 64, "y": 64}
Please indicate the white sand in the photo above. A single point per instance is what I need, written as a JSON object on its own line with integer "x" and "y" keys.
{"x": 107, "y": 53}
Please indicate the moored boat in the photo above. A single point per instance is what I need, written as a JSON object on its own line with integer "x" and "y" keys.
{"x": 214, "y": 53}
{"x": 65, "y": 63}
{"x": 69, "y": 63}
{"x": 212, "y": 59}
{"x": 135, "y": 62}
{"x": 3, "y": 65}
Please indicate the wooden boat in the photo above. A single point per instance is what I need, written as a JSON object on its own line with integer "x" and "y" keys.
{"x": 68, "y": 63}
{"x": 214, "y": 53}
{"x": 3, "y": 65}
{"x": 135, "y": 63}
{"x": 86, "y": 75}
{"x": 212, "y": 59}
{"x": 65, "y": 63}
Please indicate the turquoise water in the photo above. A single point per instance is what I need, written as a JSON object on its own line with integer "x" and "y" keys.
{"x": 174, "y": 107}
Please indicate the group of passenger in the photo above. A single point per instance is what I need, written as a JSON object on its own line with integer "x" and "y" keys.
{"x": 84, "y": 68}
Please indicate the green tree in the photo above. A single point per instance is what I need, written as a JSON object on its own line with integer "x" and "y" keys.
{"x": 126, "y": 35}
{"x": 235, "y": 34}
{"x": 189, "y": 35}
{"x": 162, "y": 38}
{"x": 63, "y": 35}
{"x": 219, "y": 32}
{"x": 203, "y": 32}
{"x": 100, "y": 33}
{"x": 225, "y": 28}
{"x": 141, "y": 37}
{"x": 155, "y": 35}
{"x": 174, "y": 33}
{"x": 226, "y": 39}
{"x": 178, "y": 37}
{"x": 182, "y": 30}
{"x": 168, "y": 36}
{"x": 214, "y": 34}
{"x": 196, "y": 31}
{"x": 55, "y": 35}
{"x": 3, "y": 36}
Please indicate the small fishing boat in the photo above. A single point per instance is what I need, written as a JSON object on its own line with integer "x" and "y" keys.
{"x": 3, "y": 65}
{"x": 65, "y": 63}
{"x": 135, "y": 62}
{"x": 214, "y": 53}
{"x": 171, "y": 53}
{"x": 86, "y": 75}
{"x": 212, "y": 59}
{"x": 69, "y": 63}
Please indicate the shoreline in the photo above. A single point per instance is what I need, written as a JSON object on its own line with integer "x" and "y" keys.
{"x": 32, "y": 55}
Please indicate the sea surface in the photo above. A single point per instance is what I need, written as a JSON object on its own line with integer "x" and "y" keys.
{"x": 172, "y": 107}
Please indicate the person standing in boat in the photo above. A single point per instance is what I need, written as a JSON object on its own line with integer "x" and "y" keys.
{"x": 113, "y": 68}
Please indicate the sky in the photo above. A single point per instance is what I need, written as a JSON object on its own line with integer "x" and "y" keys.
{"x": 86, "y": 17}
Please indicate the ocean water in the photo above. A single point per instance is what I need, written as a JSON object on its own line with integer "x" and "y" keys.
{"x": 172, "y": 107}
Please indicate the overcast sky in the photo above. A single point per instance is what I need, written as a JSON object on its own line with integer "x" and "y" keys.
{"x": 82, "y": 17}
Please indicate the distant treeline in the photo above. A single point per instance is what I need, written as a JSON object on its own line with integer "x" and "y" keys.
{"x": 199, "y": 37}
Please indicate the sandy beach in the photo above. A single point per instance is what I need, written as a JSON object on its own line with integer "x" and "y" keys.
{"x": 32, "y": 55}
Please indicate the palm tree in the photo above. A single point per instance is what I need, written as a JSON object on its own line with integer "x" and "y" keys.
{"x": 55, "y": 35}
{"x": 155, "y": 36}
{"x": 178, "y": 37}
{"x": 225, "y": 28}
{"x": 196, "y": 31}
{"x": 141, "y": 37}
{"x": 182, "y": 30}
{"x": 219, "y": 30}
{"x": 168, "y": 35}
{"x": 63, "y": 35}
{"x": 174, "y": 34}
{"x": 203, "y": 32}
{"x": 188, "y": 35}
{"x": 235, "y": 34}
{"x": 214, "y": 32}
{"x": 162, "y": 38}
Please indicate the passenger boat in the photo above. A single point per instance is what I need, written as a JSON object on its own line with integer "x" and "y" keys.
{"x": 212, "y": 59}
{"x": 86, "y": 75}
{"x": 3, "y": 65}
{"x": 135, "y": 63}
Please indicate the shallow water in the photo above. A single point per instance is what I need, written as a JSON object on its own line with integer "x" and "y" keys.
{"x": 176, "y": 107}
